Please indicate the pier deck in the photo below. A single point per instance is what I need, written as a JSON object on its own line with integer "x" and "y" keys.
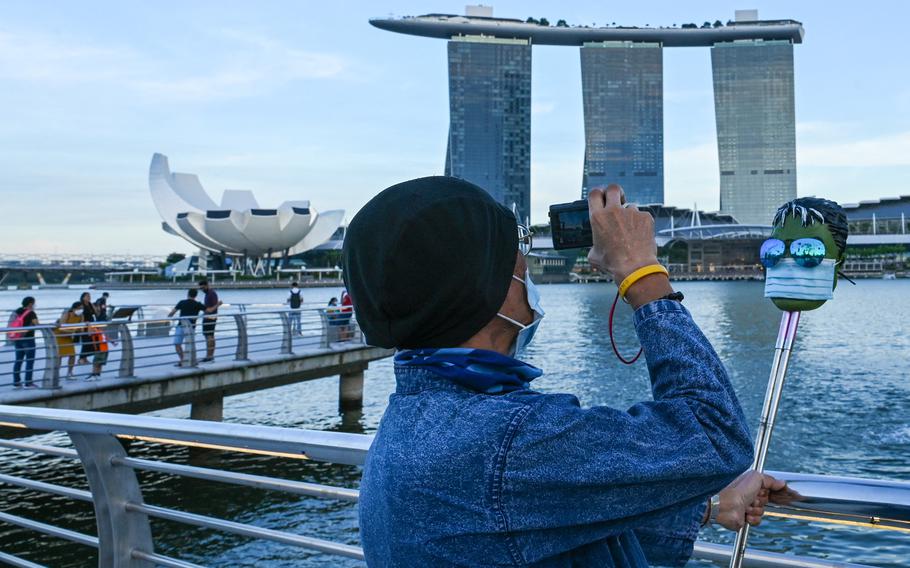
{"x": 254, "y": 351}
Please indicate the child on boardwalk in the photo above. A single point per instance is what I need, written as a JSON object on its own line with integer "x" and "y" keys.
{"x": 100, "y": 346}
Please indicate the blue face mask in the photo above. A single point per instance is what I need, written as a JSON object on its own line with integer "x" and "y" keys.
{"x": 786, "y": 279}
{"x": 526, "y": 333}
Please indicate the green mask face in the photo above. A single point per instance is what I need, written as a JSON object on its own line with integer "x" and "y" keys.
{"x": 791, "y": 230}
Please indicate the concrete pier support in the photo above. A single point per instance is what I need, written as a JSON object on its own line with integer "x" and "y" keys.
{"x": 350, "y": 391}
{"x": 208, "y": 408}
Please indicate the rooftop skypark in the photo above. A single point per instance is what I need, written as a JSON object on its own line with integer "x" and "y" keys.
{"x": 540, "y": 32}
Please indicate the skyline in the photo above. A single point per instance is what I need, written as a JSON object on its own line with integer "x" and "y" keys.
{"x": 277, "y": 100}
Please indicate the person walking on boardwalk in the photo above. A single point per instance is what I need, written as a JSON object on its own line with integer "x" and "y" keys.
{"x": 295, "y": 300}
{"x": 470, "y": 465}
{"x": 24, "y": 342}
{"x": 211, "y": 303}
{"x": 66, "y": 336}
{"x": 88, "y": 315}
{"x": 187, "y": 310}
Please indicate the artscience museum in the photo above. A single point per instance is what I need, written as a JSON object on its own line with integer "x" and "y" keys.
{"x": 239, "y": 226}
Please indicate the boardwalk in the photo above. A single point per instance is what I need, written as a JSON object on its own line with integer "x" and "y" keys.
{"x": 255, "y": 350}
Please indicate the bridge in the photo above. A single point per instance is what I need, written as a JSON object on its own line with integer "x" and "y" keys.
{"x": 58, "y": 268}
{"x": 255, "y": 349}
{"x": 125, "y": 536}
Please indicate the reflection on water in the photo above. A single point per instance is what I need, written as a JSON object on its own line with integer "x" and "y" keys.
{"x": 845, "y": 411}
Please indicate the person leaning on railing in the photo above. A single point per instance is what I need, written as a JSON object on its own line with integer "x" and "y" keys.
{"x": 187, "y": 309}
{"x": 67, "y": 336}
{"x": 472, "y": 467}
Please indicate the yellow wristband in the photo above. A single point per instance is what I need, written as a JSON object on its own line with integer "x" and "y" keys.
{"x": 638, "y": 275}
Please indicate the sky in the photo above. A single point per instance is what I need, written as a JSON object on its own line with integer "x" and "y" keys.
{"x": 306, "y": 100}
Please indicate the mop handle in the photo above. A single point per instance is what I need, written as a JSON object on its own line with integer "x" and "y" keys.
{"x": 782, "y": 349}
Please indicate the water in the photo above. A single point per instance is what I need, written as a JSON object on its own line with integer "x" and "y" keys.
{"x": 845, "y": 411}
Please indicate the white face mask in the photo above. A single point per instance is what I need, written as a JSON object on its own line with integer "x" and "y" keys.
{"x": 526, "y": 334}
{"x": 786, "y": 279}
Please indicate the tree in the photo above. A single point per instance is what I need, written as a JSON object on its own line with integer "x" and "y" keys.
{"x": 174, "y": 257}
{"x": 706, "y": 25}
{"x": 531, "y": 21}
{"x": 718, "y": 24}
{"x": 544, "y": 22}
{"x": 562, "y": 24}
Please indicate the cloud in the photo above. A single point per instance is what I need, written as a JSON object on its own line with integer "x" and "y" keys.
{"x": 42, "y": 58}
{"x": 842, "y": 151}
{"x": 829, "y": 155}
{"x": 241, "y": 64}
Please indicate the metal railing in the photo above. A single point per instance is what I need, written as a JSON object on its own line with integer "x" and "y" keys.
{"x": 145, "y": 347}
{"x": 141, "y": 311}
{"x": 122, "y": 516}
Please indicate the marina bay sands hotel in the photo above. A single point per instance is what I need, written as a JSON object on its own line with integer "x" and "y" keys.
{"x": 622, "y": 86}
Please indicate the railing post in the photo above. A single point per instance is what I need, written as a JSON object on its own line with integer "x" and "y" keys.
{"x": 120, "y": 531}
{"x": 324, "y": 318}
{"x": 189, "y": 342}
{"x": 141, "y": 328}
{"x": 355, "y": 331}
{"x": 51, "y": 379}
{"x": 127, "y": 352}
{"x": 243, "y": 340}
{"x": 287, "y": 337}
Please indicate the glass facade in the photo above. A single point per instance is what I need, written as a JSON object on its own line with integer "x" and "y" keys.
{"x": 756, "y": 127}
{"x": 622, "y": 91}
{"x": 490, "y": 118}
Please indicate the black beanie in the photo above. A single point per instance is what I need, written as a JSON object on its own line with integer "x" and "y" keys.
{"x": 428, "y": 262}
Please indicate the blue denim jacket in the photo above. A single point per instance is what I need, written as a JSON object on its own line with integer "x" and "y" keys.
{"x": 459, "y": 478}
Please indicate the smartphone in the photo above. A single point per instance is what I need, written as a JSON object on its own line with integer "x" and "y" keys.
{"x": 570, "y": 225}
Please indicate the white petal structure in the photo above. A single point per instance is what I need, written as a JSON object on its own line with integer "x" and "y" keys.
{"x": 239, "y": 226}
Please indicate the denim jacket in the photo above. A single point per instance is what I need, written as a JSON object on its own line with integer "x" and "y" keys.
{"x": 459, "y": 478}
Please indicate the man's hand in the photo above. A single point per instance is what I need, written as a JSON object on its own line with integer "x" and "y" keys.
{"x": 624, "y": 242}
{"x": 744, "y": 500}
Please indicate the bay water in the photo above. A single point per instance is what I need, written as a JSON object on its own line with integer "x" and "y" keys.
{"x": 845, "y": 411}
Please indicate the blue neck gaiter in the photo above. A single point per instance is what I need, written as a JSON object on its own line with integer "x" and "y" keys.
{"x": 476, "y": 369}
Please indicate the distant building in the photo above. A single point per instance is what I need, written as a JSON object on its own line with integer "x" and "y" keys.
{"x": 490, "y": 117}
{"x": 622, "y": 85}
{"x": 887, "y": 218}
{"x": 879, "y": 241}
{"x": 237, "y": 226}
{"x": 622, "y": 90}
{"x": 756, "y": 126}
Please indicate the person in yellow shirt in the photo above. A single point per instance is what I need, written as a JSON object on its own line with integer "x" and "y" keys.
{"x": 67, "y": 336}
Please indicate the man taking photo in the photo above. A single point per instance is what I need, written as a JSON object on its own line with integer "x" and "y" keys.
{"x": 472, "y": 467}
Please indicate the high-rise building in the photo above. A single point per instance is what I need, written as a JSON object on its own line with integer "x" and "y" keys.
{"x": 490, "y": 117}
{"x": 756, "y": 127}
{"x": 622, "y": 91}
{"x": 622, "y": 82}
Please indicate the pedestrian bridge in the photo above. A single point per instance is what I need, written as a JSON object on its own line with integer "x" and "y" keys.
{"x": 255, "y": 349}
